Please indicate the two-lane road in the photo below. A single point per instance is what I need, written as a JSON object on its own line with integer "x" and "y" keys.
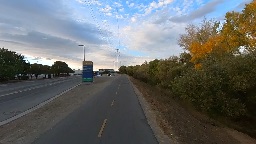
{"x": 112, "y": 116}
{"x": 16, "y": 98}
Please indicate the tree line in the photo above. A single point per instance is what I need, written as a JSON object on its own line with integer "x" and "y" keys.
{"x": 14, "y": 65}
{"x": 217, "y": 70}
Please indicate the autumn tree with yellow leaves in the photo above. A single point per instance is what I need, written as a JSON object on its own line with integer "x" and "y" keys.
{"x": 238, "y": 31}
{"x": 247, "y": 26}
{"x": 199, "y": 40}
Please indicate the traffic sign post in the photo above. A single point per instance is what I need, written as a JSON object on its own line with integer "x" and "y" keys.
{"x": 87, "y": 75}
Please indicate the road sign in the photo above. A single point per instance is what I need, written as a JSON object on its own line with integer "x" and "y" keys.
{"x": 87, "y": 75}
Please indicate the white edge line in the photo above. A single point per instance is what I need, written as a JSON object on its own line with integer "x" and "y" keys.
{"x": 35, "y": 107}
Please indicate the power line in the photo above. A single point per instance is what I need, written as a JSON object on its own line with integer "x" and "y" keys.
{"x": 107, "y": 27}
{"x": 105, "y": 36}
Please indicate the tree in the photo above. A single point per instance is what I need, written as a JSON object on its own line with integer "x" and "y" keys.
{"x": 45, "y": 70}
{"x": 130, "y": 70}
{"x": 248, "y": 25}
{"x": 122, "y": 69}
{"x": 142, "y": 72}
{"x": 185, "y": 58}
{"x": 198, "y": 34}
{"x": 36, "y": 69}
{"x": 232, "y": 36}
{"x": 212, "y": 45}
{"x": 61, "y": 67}
{"x": 152, "y": 71}
{"x": 167, "y": 70}
{"x": 11, "y": 64}
{"x": 239, "y": 29}
{"x": 197, "y": 39}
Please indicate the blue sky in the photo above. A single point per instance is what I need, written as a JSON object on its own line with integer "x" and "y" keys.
{"x": 46, "y": 31}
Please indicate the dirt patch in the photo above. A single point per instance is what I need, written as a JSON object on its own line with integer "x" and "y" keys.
{"x": 27, "y": 128}
{"x": 183, "y": 124}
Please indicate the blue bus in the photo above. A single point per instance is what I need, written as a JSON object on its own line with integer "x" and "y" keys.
{"x": 87, "y": 75}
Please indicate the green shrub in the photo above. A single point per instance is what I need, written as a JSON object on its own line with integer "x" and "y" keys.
{"x": 210, "y": 88}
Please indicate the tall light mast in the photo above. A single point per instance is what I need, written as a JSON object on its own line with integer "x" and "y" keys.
{"x": 117, "y": 56}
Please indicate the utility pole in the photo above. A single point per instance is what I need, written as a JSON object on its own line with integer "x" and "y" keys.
{"x": 117, "y": 55}
{"x": 114, "y": 64}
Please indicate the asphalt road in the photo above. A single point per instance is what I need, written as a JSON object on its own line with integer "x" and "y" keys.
{"x": 16, "y": 98}
{"x": 112, "y": 116}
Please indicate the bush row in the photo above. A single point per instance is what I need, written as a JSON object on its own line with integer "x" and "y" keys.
{"x": 223, "y": 86}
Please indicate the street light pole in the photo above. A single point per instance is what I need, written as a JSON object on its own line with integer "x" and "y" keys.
{"x": 114, "y": 64}
{"x": 84, "y": 53}
{"x": 84, "y": 50}
{"x": 117, "y": 55}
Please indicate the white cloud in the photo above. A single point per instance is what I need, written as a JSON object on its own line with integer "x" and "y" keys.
{"x": 107, "y": 9}
{"x": 121, "y": 9}
{"x": 119, "y": 16}
{"x": 47, "y": 30}
{"x": 133, "y": 19}
{"x": 199, "y": 13}
{"x": 80, "y": 1}
{"x": 154, "y": 39}
{"x": 131, "y": 5}
{"x": 155, "y": 5}
{"x": 90, "y": 2}
{"x": 167, "y": 1}
{"x": 108, "y": 14}
{"x": 117, "y": 4}
{"x": 160, "y": 17}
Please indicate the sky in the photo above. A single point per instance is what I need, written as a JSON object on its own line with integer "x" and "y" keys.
{"x": 45, "y": 31}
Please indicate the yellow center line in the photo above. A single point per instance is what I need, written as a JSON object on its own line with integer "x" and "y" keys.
{"x": 102, "y": 128}
{"x": 112, "y": 103}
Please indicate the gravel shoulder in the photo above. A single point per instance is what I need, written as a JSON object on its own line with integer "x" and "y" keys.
{"x": 27, "y": 128}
